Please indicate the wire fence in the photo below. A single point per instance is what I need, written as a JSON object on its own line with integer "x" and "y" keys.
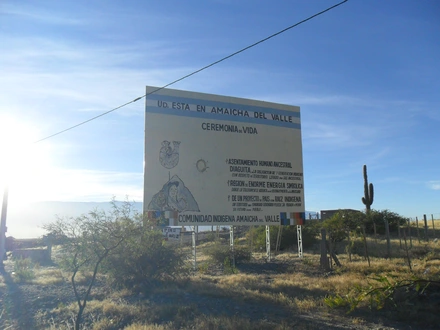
{"x": 219, "y": 244}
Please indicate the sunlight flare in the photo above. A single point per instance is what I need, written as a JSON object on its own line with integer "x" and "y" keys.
{"x": 22, "y": 161}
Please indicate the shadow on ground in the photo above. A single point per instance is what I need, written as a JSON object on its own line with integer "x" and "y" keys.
{"x": 16, "y": 313}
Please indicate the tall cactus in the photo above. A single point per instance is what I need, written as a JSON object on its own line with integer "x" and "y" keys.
{"x": 367, "y": 200}
{"x": 368, "y": 191}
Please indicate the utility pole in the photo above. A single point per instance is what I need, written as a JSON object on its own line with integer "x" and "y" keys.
{"x": 3, "y": 227}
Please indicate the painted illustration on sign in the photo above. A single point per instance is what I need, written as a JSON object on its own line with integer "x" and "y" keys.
{"x": 174, "y": 196}
{"x": 169, "y": 157}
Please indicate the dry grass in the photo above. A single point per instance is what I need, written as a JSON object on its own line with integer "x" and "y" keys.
{"x": 2, "y": 281}
{"x": 140, "y": 326}
{"x": 48, "y": 276}
{"x": 38, "y": 275}
{"x": 121, "y": 294}
{"x": 307, "y": 304}
{"x": 217, "y": 323}
{"x": 242, "y": 300}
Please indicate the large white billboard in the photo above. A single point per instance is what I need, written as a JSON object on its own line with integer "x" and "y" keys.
{"x": 217, "y": 160}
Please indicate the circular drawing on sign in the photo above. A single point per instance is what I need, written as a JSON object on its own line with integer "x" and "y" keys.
{"x": 201, "y": 165}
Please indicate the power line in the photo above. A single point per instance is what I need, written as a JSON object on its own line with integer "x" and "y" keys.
{"x": 89, "y": 120}
{"x": 195, "y": 72}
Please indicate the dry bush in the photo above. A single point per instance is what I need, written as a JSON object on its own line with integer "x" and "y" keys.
{"x": 24, "y": 270}
{"x": 307, "y": 304}
{"x": 142, "y": 260}
{"x": 256, "y": 288}
{"x": 5, "y": 323}
{"x": 119, "y": 313}
{"x": 2, "y": 281}
{"x": 140, "y": 326}
{"x": 111, "y": 308}
{"x": 48, "y": 276}
{"x": 215, "y": 323}
{"x": 103, "y": 324}
{"x": 297, "y": 289}
{"x": 222, "y": 322}
{"x": 219, "y": 253}
{"x": 378, "y": 287}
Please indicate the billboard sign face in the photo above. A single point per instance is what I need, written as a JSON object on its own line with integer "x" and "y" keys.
{"x": 217, "y": 160}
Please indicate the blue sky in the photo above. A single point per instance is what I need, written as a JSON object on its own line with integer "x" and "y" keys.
{"x": 365, "y": 74}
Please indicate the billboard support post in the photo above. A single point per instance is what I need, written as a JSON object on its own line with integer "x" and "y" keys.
{"x": 251, "y": 230}
{"x": 279, "y": 236}
{"x": 268, "y": 243}
{"x": 231, "y": 243}
{"x": 300, "y": 242}
{"x": 194, "y": 245}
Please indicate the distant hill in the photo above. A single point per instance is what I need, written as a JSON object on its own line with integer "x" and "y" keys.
{"x": 26, "y": 221}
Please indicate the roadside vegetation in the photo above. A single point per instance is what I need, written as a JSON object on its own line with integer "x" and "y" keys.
{"x": 122, "y": 275}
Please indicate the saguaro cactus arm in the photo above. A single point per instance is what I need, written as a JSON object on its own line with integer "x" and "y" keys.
{"x": 371, "y": 193}
{"x": 368, "y": 191}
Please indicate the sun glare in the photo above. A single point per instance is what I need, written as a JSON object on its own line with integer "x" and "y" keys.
{"x": 21, "y": 160}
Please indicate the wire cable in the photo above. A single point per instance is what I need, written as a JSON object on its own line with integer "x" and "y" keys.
{"x": 89, "y": 120}
{"x": 195, "y": 72}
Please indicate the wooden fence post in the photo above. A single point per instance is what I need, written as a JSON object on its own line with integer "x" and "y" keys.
{"x": 324, "y": 259}
{"x": 387, "y": 232}
{"x": 407, "y": 253}
{"x": 349, "y": 245}
{"x": 417, "y": 225}
{"x": 367, "y": 256}
{"x": 400, "y": 236}
{"x": 375, "y": 232}
{"x": 426, "y": 227}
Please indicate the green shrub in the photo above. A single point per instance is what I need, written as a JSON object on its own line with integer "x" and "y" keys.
{"x": 228, "y": 267}
{"x": 142, "y": 259}
{"x": 24, "y": 270}
{"x": 219, "y": 253}
{"x": 242, "y": 253}
{"x": 378, "y": 216}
